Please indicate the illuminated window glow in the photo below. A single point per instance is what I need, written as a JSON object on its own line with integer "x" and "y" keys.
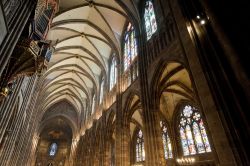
{"x": 149, "y": 18}
{"x": 130, "y": 46}
{"x": 93, "y": 105}
{"x": 166, "y": 141}
{"x": 53, "y": 149}
{"x": 113, "y": 73}
{"x": 140, "y": 152}
{"x": 192, "y": 132}
{"x": 101, "y": 91}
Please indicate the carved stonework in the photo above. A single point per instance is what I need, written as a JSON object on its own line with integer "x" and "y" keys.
{"x": 44, "y": 13}
{"x": 29, "y": 57}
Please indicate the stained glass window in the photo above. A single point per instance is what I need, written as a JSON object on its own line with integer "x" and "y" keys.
{"x": 53, "y": 149}
{"x": 166, "y": 141}
{"x": 140, "y": 152}
{"x": 130, "y": 46}
{"x": 192, "y": 132}
{"x": 113, "y": 73}
{"x": 101, "y": 91}
{"x": 149, "y": 18}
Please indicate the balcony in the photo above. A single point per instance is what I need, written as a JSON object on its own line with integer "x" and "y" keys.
{"x": 29, "y": 57}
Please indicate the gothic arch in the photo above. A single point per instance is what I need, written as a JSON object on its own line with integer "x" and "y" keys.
{"x": 63, "y": 108}
{"x": 65, "y": 118}
{"x": 110, "y": 124}
{"x": 132, "y": 104}
{"x": 57, "y": 129}
{"x": 156, "y": 78}
{"x": 133, "y": 145}
{"x": 171, "y": 83}
{"x": 176, "y": 134}
{"x": 57, "y": 103}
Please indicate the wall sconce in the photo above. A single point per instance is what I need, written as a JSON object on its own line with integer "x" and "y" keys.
{"x": 185, "y": 160}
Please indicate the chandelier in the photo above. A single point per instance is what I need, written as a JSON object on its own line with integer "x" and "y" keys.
{"x": 185, "y": 161}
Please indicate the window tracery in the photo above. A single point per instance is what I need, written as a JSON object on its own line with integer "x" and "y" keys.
{"x": 193, "y": 134}
{"x": 130, "y": 53}
{"x": 140, "y": 152}
{"x": 166, "y": 141}
{"x": 149, "y": 18}
{"x": 130, "y": 46}
{"x": 113, "y": 73}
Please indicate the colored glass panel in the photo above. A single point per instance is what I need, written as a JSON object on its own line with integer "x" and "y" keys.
{"x": 198, "y": 139}
{"x": 125, "y": 56}
{"x": 204, "y": 136}
{"x": 140, "y": 152}
{"x": 184, "y": 142}
{"x": 113, "y": 73}
{"x": 53, "y": 149}
{"x": 190, "y": 140}
{"x": 149, "y": 18}
{"x": 170, "y": 153}
{"x": 166, "y": 141}
{"x": 130, "y": 46}
{"x": 192, "y": 132}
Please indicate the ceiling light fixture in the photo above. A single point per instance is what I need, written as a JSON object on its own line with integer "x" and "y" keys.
{"x": 185, "y": 160}
{"x": 201, "y": 19}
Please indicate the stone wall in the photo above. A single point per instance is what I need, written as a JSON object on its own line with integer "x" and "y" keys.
{"x": 180, "y": 40}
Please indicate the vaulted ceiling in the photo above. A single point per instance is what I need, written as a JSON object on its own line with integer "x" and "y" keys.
{"x": 85, "y": 34}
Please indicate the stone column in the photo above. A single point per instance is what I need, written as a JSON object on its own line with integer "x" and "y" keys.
{"x": 32, "y": 158}
{"x": 107, "y": 154}
{"x": 73, "y": 151}
{"x": 122, "y": 140}
{"x": 122, "y": 144}
{"x": 202, "y": 64}
{"x": 152, "y": 135}
{"x": 153, "y": 139}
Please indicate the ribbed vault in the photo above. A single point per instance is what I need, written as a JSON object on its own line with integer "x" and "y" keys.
{"x": 85, "y": 34}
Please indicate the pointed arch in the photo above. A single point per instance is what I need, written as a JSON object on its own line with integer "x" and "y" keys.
{"x": 192, "y": 132}
{"x": 130, "y": 46}
{"x": 113, "y": 73}
{"x": 191, "y": 129}
{"x": 150, "y": 19}
{"x": 139, "y": 146}
{"x": 171, "y": 83}
{"x": 167, "y": 143}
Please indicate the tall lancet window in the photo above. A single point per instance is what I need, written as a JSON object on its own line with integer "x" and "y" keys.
{"x": 193, "y": 134}
{"x": 52, "y": 149}
{"x": 93, "y": 105}
{"x": 113, "y": 73}
{"x": 139, "y": 151}
{"x": 149, "y": 18}
{"x": 166, "y": 141}
{"x": 130, "y": 46}
{"x": 101, "y": 91}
